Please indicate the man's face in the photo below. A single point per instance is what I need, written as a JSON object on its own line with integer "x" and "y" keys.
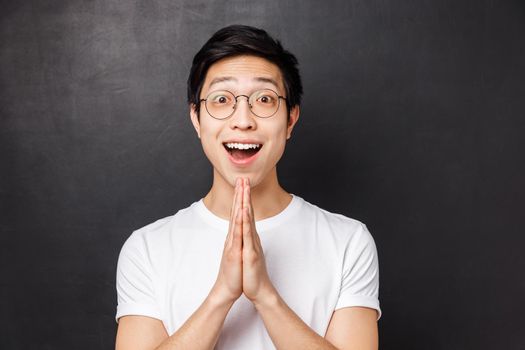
{"x": 243, "y": 75}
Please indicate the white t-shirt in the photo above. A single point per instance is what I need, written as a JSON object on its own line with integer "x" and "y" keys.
{"x": 318, "y": 262}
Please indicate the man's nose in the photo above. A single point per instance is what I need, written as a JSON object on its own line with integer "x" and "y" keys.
{"x": 242, "y": 116}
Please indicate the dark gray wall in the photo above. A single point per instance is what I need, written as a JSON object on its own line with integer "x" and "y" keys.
{"x": 413, "y": 122}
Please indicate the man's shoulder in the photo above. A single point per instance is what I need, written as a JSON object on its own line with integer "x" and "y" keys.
{"x": 161, "y": 228}
{"x": 333, "y": 222}
{"x": 332, "y": 217}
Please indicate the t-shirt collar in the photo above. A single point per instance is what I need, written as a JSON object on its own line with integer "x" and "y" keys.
{"x": 261, "y": 225}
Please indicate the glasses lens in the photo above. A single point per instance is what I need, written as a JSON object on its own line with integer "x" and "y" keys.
{"x": 264, "y": 103}
{"x": 220, "y": 104}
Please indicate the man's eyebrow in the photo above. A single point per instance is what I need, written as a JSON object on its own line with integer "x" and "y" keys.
{"x": 260, "y": 79}
{"x": 220, "y": 80}
{"x": 267, "y": 80}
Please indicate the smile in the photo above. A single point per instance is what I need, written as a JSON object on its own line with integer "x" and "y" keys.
{"x": 242, "y": 154}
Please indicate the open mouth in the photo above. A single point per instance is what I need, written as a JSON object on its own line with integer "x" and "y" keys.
{"x": 242, "y": 151}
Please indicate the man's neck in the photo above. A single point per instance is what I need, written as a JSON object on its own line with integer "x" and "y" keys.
{"x": 268, "y": 197}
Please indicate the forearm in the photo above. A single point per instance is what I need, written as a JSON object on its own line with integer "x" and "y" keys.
{"x": 286, "y": 329}
{"x": 202, "y": 329}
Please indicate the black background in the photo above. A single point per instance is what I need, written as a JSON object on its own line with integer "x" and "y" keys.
{"x": 412, "y": 122}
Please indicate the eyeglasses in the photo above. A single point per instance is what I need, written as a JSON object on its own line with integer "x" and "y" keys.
{"x": 263, "y": 103}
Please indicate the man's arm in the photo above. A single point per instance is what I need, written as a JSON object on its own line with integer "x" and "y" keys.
{"x": 286, "y": 329}
{"x": 354, "y": 328}
{"x": 139, "y": 332}
{"x": 349, "y": 328}
{"x": 200, "y": 331}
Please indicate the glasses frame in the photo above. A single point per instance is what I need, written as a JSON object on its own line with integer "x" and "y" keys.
{"x": 279, "y": 97}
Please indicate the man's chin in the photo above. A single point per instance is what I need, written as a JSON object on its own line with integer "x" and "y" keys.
{"x": 252, "y": 179}
{"x": 249, "y": 177}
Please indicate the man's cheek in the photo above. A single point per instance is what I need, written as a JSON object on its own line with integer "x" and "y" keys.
{"x": 208, "y": 150}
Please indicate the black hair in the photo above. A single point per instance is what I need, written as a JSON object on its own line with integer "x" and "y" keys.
{"x": 236, "y": 40}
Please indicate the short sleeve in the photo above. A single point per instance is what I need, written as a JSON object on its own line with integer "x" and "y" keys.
{"x": 135, "y": 280}
{"x": 360, "y": 280}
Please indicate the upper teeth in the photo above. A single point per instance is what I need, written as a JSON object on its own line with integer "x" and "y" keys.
{"x": 242, "y": 145}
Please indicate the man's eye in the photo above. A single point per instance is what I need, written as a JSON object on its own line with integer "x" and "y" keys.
{"x": 221, "y": 99}
{"x": 265, "y": 99}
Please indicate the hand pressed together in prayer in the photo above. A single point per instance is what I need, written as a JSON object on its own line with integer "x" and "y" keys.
{"x": 243, "y": 267}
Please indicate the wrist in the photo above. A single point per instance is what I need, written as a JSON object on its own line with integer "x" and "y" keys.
{"x": 218, "y": 298}
{"x": 267, "y": 299}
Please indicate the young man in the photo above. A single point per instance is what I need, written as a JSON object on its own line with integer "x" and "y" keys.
{"x": 249, "y": 266}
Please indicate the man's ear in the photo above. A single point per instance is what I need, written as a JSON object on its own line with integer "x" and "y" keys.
{"x": 294, "y": 117}
{"x": 195, "y": 120}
